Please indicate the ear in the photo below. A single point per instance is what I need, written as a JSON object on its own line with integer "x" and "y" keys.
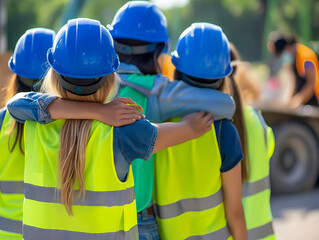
{"x": 11, "y": 65}
{"x": 50, "y": 57}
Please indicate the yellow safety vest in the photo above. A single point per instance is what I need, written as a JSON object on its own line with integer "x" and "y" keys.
{"x": 11, "y": 184}
{"x": 188, "y": 198}
{"x": 109, "y": 208}
{"x": 256, "y": 192}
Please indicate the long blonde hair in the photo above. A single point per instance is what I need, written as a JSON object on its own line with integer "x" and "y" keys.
{"x": 74, "y": 137}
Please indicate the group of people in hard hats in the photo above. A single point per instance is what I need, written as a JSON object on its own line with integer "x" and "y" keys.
{"x": 182, "y": 159}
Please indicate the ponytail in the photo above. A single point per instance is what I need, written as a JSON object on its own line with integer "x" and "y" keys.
{"x": 15, "y": 86}
{"x": 74, "y": 137}
{"x": 239, "y": 122}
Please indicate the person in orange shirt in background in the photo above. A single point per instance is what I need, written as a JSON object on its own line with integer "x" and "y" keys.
{"x": 168, "y": 67}
{"x": 302, "y": 63}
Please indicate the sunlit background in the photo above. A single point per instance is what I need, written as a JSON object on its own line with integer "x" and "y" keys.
{"x": 247, "y": 23}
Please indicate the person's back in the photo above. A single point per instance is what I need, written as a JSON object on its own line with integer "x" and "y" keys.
{"x": 139, "y": 44}
{"x": 105, "y": 195}
{"x": 190, "y": 178}
{"x": 64, "y": 156}
{"x": 260, "y": 147}
{"x": 256, "y": 190}
{"x": 28, "y": 66}
{"x": 188, "y": 198}
{"x": 11, "y": 181}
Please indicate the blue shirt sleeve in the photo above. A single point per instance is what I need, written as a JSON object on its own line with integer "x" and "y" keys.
{"x": 308, "y": 65}
{"x": 30, "y": 106}
{"x": 2, "y": 115}
{"x": 177, "y": 98}
{"x": 130, "y": 142}
{"x": 229, "y": 144}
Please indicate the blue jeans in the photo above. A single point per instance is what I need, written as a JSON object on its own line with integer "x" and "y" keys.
{"x": 147, "y": 227}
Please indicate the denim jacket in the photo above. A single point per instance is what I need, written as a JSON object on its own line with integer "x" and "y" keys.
{"x": 169, "y": 99}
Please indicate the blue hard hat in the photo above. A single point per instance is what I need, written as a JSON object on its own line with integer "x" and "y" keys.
{"x": 29, "y": 57}
{"x": 83, "y": 48}
{"x": 140, "y": 20}
{"x": 203, "y": 51}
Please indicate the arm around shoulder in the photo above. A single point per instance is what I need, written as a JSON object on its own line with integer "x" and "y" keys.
{"x": 30, "y": 106}
{"x": 178, "y": 99}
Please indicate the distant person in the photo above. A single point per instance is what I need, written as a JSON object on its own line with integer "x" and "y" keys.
{"x": 168, "y": 67}
{"x": 260, "y": 145}
{"x": 197, "y": 186}
{"x": 302, "y": 65}
{"x": 28, "y": 65}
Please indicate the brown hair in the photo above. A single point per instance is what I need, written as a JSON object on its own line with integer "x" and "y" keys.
{"x": 239, "y": 122}
{"x": 74, "y": 137}
{"x": 147, "y": 63}
{"x": 15, "y": 86}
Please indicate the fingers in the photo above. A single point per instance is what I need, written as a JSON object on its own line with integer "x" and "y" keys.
{"x": 208, "y": 116}
{"x": 125, "y": 100}
{"x": 136, "y": 116}
{"x": 130, "y": 106}
{"x": 126, "y": 121}
{"x": 129, "y": 119}
{"x": 201, "y": 114}
{"x": 132, "y": 112}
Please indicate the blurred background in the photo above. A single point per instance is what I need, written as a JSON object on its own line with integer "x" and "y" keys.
{"x": 247, "y": 23}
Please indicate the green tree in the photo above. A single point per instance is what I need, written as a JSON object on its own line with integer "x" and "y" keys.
{"x": 26, "y": 14}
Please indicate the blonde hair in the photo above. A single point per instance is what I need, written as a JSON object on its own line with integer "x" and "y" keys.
{"x": 74, "y": 136}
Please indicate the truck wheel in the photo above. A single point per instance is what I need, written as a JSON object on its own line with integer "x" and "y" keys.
{"x": 295, "y": 162}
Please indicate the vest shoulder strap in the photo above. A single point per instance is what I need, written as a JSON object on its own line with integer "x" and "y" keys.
{"x": 139, "y": 82}
{"x": 146, "y": 92}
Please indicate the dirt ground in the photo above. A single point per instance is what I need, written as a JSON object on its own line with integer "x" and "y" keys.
{"x": 296, "y": 217}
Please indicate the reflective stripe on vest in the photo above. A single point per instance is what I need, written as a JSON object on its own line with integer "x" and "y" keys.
{"x": 92, "y": 198}
{"x": 108, "y": 208}
{"x": 251, "y": 188}
{"x": 188, "y": 205}
{"x": 9, "y": 225}
{"x": 188, "y": 197}
{"x": 221, "y": 234}
{"x": 139, "y": 88}
{"x": 260, "y": 232}
{"x": 32, "y": 233}
{"x": 11, "y": 182}
{"x": 256, "y": 191}
{"x": 263, "y": 123}
{"x": 11, "y": 187}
